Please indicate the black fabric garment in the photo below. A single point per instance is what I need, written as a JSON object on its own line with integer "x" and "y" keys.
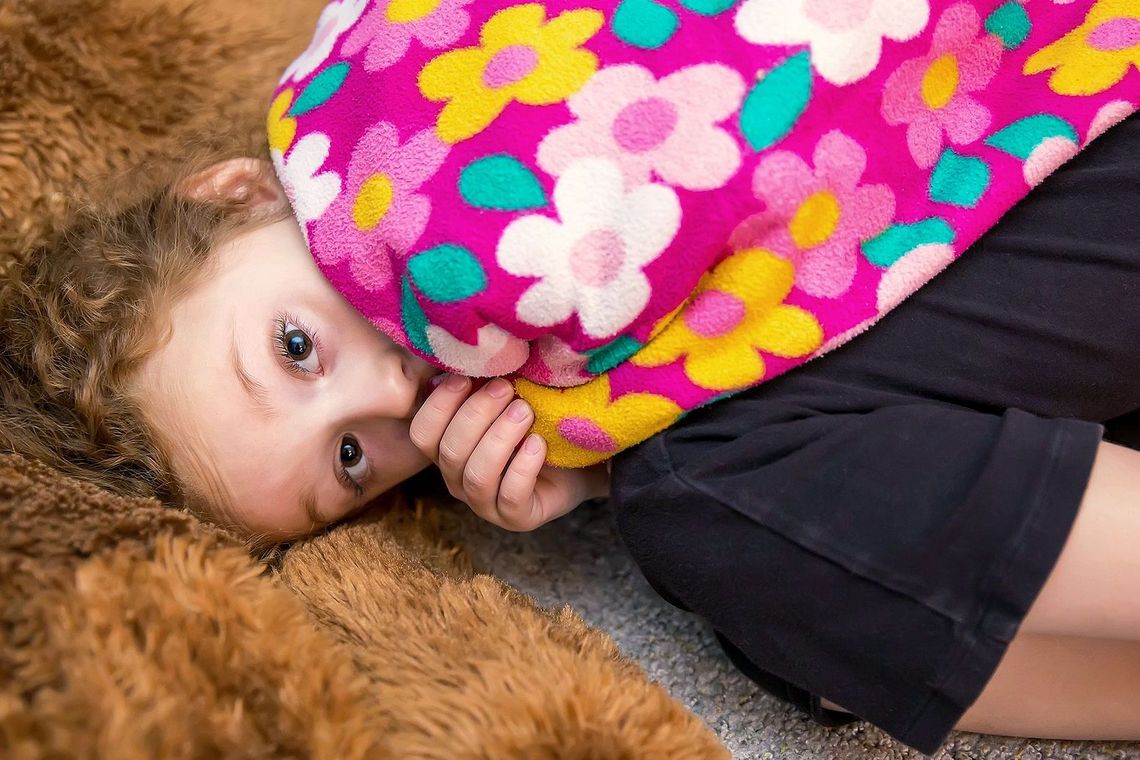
{"x": 872, "y": 526}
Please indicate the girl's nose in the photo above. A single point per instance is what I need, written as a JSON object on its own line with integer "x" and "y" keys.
{"x": 376, "y": 387}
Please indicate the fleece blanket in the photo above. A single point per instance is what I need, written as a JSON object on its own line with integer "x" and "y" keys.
{"x": 631, "y": 209}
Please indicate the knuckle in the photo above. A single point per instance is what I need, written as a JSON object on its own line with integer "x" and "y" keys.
{"x": 502, "y": 434}
{"x": 520, "y": 523}
{"x": 475, "y": 480}
{"x": 472, "y": 412}
{"x": 509, "y": 506}
{"x": 420, "y": 438}
{"x": 448, "y": 455}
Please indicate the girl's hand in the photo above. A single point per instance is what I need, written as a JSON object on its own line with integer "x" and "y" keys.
{"x": 474, "y": 435}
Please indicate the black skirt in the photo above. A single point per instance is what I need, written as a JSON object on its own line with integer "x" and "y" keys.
{"x": 873, "y": 526}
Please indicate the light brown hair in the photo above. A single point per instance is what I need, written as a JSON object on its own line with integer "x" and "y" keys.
{"x": 79, "y": 314}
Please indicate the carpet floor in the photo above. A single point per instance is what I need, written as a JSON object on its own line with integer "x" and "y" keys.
{"x": 580, "y": 561}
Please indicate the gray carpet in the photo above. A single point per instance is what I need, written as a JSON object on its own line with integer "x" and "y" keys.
{"x": 580, "y": 561}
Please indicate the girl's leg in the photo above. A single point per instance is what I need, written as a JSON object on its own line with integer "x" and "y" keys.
{"x": 1061, "y": 687}
{"x": 1094, "y": 589}
{"x": 1073, "y": 669}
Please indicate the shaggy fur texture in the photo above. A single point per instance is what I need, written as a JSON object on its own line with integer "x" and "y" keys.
{"x": 131, "y": 631}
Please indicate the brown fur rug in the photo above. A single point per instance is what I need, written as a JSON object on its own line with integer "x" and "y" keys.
{"x": 132, "y": 631}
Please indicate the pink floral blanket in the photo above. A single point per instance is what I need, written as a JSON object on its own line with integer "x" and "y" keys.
{"x": 634, "y": 208}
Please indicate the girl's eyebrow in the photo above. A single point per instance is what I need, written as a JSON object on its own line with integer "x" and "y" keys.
{"x": 309, "y": 505}
{"x": 254, "y": 389}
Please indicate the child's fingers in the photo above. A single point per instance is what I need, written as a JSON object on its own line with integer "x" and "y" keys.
{"x": 484, "y": 468}
{"x": 432, "y": 419}
{"x": 467, "y": 428}
{"x": 517, "y": 507}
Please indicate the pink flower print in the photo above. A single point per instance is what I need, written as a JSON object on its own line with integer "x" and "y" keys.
{"x": 818, "y": 218}
{"x": 554, "y": 363}
{"x": 388, "y": 28}
{"x": 645, "y": 125}
{"x": 379, "y": 215}
{"x": 931, "y": 93}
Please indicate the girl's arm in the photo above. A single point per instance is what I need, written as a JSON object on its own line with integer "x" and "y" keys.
{"x": 473, "y": 435}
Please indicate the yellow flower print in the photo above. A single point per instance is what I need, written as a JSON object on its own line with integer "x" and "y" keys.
{"x": 736, "y": 309}
{"x": 582, "y": 426}
{"x": 521, "y": 57}
{"x": 1097, "y": 54}
{"x": 281, "y": 128}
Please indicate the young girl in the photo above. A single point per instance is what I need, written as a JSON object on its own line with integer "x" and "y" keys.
{"x": 925, "y": 526}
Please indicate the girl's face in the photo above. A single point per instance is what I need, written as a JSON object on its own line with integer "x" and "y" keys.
{"x": 282, "y": 404}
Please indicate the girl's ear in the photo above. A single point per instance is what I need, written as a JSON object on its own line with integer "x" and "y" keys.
{"x": 244, "y": 180}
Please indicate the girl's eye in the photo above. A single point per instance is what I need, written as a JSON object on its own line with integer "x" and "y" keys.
{"x": 298, "y": 348}
{"x": 352, "y": 460}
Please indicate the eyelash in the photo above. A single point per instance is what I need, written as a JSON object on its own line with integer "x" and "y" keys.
{"x": 347, "y": 481}
{"x": 280, "y": 322}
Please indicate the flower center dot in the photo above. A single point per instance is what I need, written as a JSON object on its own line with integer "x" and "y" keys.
{"x": 644, "y": 125}
{"x": 586, "y": 434}
{"x": 407, "y": 11}
{"x": 597, "y": 257}
{"x": 838, "y": 15}
{"x": 815, "y": 220}
{"x": 940, "y": 82}
{"x": 1115, "y": 34}
{"x": 713, "y": 313}
{"x": 372, "y": 202}
{"x": 510, "y": 65}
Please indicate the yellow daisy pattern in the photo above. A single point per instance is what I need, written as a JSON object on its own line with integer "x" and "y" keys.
{"x": 583, "y": 426}
{"x": 736, "y": 311}
{"x": 1097, "y": 54}
{"x": 281, "y": 128}
{"x": 521, "y": 56}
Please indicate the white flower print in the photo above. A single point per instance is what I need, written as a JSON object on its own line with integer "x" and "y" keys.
{"x": 591, "y": 262}
{"x": 496, "y": 352}
{"x": 846, "y": 36}
{"x": 309, "y": 193}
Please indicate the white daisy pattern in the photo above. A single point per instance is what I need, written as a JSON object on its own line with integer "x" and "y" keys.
{"x": 590, "y": 262}
{"x": 309, "y": 193}
{"x": 845, "y": 36}
{"x": 496, "y": 351}
{"x": 336, "y": 19}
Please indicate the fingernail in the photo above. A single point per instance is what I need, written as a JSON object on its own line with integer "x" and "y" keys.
{"x": 533, "y": 443}
{"x": 517, "y": 411}
{"x": 455, "y": 382}
{"x": 499, "y": 388}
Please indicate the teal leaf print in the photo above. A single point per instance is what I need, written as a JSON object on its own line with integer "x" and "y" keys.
{"x": 776, "y": 103}
{"x": 604, "y": 358}
{"x": 1022, "y": 136}
{"x": 645, "y": 24}
{"x": 321, "y": 89}
{"x": 708, "y": 7}
{"x": 414, "y": 319}
{"x": 502, "y": 183}
{"x": 959, "y": 180}
{"x": 900, "y": 239}
{"x": 447, "y": 273}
